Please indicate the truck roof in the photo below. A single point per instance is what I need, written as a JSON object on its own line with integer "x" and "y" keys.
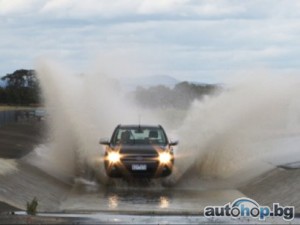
{"x": 138, "y": 126}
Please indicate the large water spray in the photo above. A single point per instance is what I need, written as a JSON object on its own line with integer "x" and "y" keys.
{"x": 220, "y": 136}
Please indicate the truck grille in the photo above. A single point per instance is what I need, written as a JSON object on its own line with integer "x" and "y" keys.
{"x": 139, "y": 158}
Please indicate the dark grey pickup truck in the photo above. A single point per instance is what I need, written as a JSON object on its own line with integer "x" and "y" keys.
{"x": 140, "y": 151}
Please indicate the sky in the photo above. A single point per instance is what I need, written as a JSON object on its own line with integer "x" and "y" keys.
{"x": 196, "y": 40}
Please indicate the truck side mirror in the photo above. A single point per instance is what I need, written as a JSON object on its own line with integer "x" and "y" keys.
{"x": 173, "y": 143}
{"x": 104, "y": 141}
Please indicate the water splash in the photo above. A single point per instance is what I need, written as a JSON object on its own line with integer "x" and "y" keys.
{"x": 225, "y": 136}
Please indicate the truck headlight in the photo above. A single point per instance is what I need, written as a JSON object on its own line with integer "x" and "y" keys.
{"x": 165, "y": 157}
{"x": 113, "y": 157}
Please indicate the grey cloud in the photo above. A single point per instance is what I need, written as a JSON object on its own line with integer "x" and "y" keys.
{"x": 192, "y": 39}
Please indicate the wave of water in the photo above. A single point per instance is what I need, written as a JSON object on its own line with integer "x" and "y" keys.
{"x": 224, "y": 136}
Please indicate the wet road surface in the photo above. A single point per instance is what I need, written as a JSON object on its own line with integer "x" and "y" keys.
{"x": 146, "y": 200}
{"x": 88, "y": 202}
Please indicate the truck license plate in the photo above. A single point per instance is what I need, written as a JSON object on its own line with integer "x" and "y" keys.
{"x": 139, "y": 167}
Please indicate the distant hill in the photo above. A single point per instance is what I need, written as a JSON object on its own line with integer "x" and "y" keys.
{"x": 148, "y": 81}
{"x": 2, "y": 83}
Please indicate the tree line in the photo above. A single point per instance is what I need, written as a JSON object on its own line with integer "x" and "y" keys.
{"x": 20, "y": 88}
{"x": 181, "y": 96}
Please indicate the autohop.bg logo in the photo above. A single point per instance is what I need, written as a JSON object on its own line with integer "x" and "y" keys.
{"x": 247, "y": 207}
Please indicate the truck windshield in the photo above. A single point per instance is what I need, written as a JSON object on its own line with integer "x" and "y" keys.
{"x": 139, "y": 135}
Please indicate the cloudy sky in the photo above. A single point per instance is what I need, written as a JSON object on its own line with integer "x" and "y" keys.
{"x": 198, "y": 40}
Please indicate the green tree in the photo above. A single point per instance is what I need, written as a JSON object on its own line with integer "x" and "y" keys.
{"x": 22, "y": 88}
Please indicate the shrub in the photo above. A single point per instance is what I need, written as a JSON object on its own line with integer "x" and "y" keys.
{"x": 32, "y": 206}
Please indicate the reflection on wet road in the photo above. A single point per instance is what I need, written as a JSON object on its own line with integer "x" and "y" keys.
{"x": 144, "y": 199}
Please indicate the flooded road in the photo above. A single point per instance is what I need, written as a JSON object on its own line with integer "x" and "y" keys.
{"x": 144, "y": 200}
{"x": 81, "y": 200}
